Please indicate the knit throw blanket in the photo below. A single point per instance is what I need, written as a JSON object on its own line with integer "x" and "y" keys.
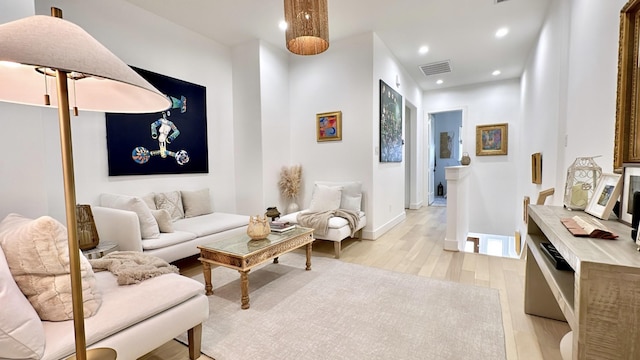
{"x": 320, "y": 221}
{"x": 132, "y": 267}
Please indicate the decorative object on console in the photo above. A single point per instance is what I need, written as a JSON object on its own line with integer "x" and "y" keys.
{"x": 289, "y": 184}
{"x": 173, "y": 141}
{"x": 273, "y": 213}
{"x": 465, "y": 160}
{"x": 630, "y": 185}
{"x": 101, "y": 82}
{"x": 605, "y": 196}
{"x": 390, "y": 124}
{"x": 492, "y": 139}
{"x": 329, "y": 126}
{"x": 87, "y": 232}
{"x": 307, "y": 26}
{"x": 582, "y": 179}
{"x": 258, "y": 227}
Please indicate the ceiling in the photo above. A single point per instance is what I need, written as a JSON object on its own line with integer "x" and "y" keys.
{"x": 460, "y": 31}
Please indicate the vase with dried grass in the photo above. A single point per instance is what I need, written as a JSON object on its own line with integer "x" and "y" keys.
{"x": 290, "y": 179}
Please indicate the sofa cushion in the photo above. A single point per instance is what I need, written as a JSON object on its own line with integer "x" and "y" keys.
{"x": 21, "y": 332}
{"x": 351, "y": 193}
{"x": 163, "y": 218}
{"x": 211, "y": 223}
{"x": 172, "y": 202}
{"x": 148, "y": 225}
{"x": 325, "y": 198}
{"x": 167, "y": 239}
{"x": 38, "y": 256}
{"x": 196, "y": 203}
{"x": 150, "y": 200}
{"x": 122, "y": 307}
{"x": 335, "y": 222}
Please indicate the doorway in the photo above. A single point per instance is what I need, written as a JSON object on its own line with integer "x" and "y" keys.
{"x": 446, "y": 129}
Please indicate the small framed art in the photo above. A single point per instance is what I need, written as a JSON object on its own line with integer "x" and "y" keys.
{"x": 492, "y": 139}
{"x": 605, "y": 196}
{"x": 329, "y": 126}
{"x": 630, "y": 184}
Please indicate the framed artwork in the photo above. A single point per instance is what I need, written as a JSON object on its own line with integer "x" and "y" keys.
{"x": 329, "y": 126}
{"x": 492, "y": 139}
{"x": 536, "y": 168}
{"x": 630, "y": 184}
{"x": 390, "y": 124}
{"x": 605, "y": 196}
{"x": 446, "y": 143}
{"x": 170, "y": 142}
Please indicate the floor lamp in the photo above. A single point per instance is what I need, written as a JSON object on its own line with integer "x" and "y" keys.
{"x": 39, "y": 49}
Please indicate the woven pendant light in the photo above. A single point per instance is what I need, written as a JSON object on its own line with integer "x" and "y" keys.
{"x": 307, "y": 26}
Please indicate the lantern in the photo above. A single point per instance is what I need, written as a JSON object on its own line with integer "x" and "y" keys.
{"x": 582, "y": 179}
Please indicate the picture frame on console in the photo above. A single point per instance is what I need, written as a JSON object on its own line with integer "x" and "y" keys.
{"x": 605, "y": 196}
{"x": 329, "y": 126}
{"x": 630, "y": 185}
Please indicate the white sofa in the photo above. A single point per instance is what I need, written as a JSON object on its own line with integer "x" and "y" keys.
{"x": 121, "y": 219}
{"x": 132, "y": 319}
{"x": 350, "y": 198}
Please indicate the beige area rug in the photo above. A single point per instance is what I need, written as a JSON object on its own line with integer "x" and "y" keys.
{"x": 345, "y": 311}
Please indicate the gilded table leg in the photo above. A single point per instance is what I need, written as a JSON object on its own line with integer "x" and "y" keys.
{"x": 308, "y": 256}
{"x": 206, "y": 271}
{"x": 244, "y": 287}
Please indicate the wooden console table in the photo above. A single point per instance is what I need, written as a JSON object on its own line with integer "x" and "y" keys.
{"x": 600, "y": 299}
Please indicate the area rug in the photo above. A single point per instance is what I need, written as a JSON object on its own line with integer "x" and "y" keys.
{"x": 346, "y": 311}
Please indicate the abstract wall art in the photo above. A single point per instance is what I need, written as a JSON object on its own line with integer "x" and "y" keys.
{"x": 391, "y": 141}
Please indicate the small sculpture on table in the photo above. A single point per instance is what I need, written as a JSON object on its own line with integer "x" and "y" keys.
{"x": 273, "y": 213}
{"x": 258, "y": 227}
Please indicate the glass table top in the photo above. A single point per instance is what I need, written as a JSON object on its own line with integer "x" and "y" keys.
{"x": 243, "y": 245}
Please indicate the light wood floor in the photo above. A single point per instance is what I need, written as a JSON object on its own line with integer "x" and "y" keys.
{"x": 416, "y": 247}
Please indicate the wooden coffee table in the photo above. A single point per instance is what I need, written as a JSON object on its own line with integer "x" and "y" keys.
{"x": 242, "y": 253}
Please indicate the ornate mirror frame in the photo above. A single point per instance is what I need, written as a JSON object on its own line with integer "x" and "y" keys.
{"x": 627, "y": 130}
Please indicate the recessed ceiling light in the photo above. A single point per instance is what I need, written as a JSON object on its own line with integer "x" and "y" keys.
{"x": 423, "y": 50}
{"x": 496, "y": 73}
{"x": 502, "y": 32}
{"x": 439, "y": 82}
{"x": 9, "y": 64}
{"x": 283, "y": 25}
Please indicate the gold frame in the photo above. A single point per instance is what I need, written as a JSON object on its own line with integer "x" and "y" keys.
{"x": 626, "y": 146}
{"x": 536, "y": 168}
{"x": 338, "y": 135}
{"x": 504, "y": 141}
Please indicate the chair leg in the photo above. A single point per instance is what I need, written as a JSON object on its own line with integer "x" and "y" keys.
{"x": 336, "y": 248}
{"x": 194, "y": 337}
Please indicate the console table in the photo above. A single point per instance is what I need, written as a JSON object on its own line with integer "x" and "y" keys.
{"x": 600, "y": 299}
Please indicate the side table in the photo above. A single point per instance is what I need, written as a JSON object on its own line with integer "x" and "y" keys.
{"x": 101, "y": 250}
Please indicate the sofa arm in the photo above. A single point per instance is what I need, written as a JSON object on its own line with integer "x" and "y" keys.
{"x": 119, "y": 226}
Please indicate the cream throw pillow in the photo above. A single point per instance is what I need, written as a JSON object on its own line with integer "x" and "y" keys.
{"x": 148, "y": 225}
{"x": 38, "y": 257}
{"x": 21, "y": 331}
{"x": 325, "y": 198}
{"x": 196, "y": 203}
{"x": 163, "y": 218}
{"x": 172, "y": 202}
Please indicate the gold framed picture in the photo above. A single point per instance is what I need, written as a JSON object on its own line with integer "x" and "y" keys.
{"x": 329, "y": 126}
{"x": 492, "y": 139}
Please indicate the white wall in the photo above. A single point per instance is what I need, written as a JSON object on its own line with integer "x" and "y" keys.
{"x": 149, "y": 42}
{"x": 493, "y": 179}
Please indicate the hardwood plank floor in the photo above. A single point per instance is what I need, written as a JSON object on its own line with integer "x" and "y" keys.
{"x": 416, "y": 247}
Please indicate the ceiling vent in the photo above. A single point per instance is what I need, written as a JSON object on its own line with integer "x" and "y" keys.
{"x": 500, "y": 1}
{"x": 435, "y": 68}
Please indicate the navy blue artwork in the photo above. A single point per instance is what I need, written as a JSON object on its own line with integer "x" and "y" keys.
{"x": 170, "y": 142}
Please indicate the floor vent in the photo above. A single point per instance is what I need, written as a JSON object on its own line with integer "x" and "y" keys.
{"x": 435, "y": 68}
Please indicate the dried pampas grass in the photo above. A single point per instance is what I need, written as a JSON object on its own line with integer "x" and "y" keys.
{"x": 290, "y": 179}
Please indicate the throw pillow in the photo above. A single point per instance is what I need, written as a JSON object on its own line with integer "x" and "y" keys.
{"x": 163, "y": 218}
{"x": 350, "y": 189}
{"x": 351, "y": 202}
{"x": 196, "y": 203}
{"x": 325, "y": 198}
{"x": 150, "y": 200}
{"x": 148, "y": 225}
{"x": 38, "y": 257}
{"x": 172, "y": 202}
{"x": 21, "y": 332}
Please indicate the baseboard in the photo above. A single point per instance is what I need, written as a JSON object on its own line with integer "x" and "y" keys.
{"x": 372, "y": 235}
{"x": 415, "y": 206}
{"x": 451, "y": 245}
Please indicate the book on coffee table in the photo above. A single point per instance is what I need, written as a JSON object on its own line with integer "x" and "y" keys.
{"x": 279, "y": 229}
